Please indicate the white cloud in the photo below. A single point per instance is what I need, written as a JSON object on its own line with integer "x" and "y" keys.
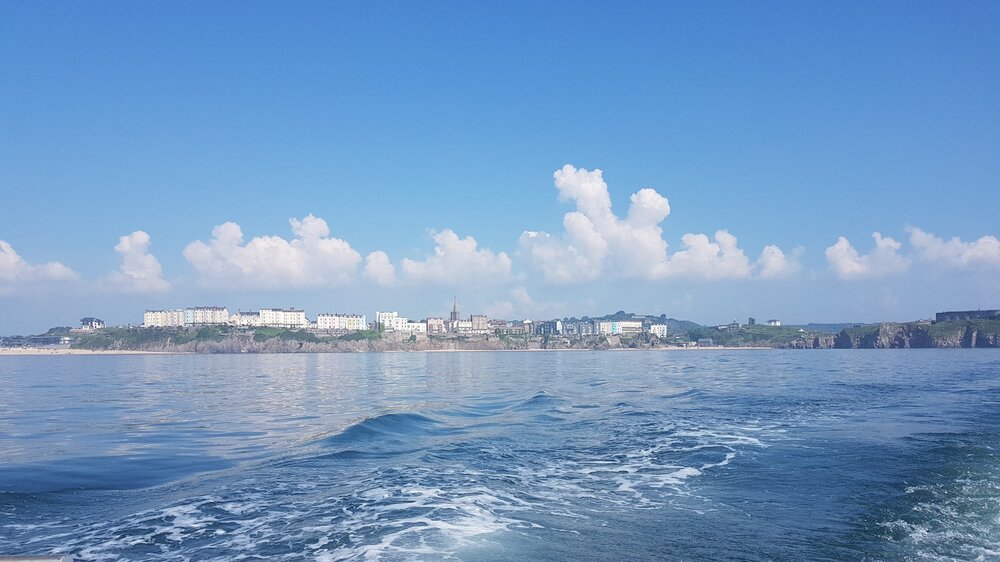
{"x": 522, "y": 305}
{"x": 140, "y": 271}
{"x": 15, "y": 271}
{"x": 705, "y": 259}
{"x": 522, "y": 299}
{"x": 379, "y": 269}
{"x": 559, "y": 261}
{"x": 883, "y": 260}
{"x": 594, "y": 237}
{"x": 886, "y": 258}
{"x": 596, "y": 241}
{"x": 500, "y": 309}
{"x": 774, "y": 263}
{"x": 457, "y": 261}
{"x": 984, "y": 252}
{"x": 310, "y": 259}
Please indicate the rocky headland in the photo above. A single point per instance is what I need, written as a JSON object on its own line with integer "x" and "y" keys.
{"x": 961, "y": 334}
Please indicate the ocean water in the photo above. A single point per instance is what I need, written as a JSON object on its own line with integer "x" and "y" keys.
{"x": 672, "y": 455}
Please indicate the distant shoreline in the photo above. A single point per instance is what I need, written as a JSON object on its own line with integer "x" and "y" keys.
{"x": 574, "y": 349}
{"x": 60, "y": 351}
{"x": 16, "y": 351}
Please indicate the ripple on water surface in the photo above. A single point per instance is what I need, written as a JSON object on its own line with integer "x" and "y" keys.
{"x": 405, "y": 485}
{"x": 512, "y": 456}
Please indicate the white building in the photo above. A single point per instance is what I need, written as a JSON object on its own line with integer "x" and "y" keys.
{"x": 342, "y": 322}
{"x": 206, "y": 315}
{"x": 415, "y": 327}
{"x": 245, "y": 319}
{"x": 163, "y": 318}
{"x": 89, "y": 324}
{"x": 391, "y": 322}
{"x": 198, "y": 315}
{"x": 659, "y": 330}
{"x": 283, "y": 317}
{"x": 774, "y": 322}
{"x": 621, "y": 327}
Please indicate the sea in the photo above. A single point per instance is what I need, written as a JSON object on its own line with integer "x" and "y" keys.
{"x": 489, "y": 456}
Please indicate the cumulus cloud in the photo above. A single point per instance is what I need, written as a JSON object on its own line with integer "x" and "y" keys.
{"x": 597, "y": 241}
{"x": 595, "y": 237}
{"x": 884, "y": 259}
{"x": 774, "y": 263}
{"x": 522, "y": 305}
{"x": 500, "y": 309}
{"x": 379, "y": 269}
{"x": 954, "y": 253}
{"x": 457, "y": 261}
{"x": 701, "y": 257}
{"x": 522, "y": 299}
{"x": 140, "y": 271}
{"x": 558, "y": 260}
{"x": 312, "y": 258}
{"x": 14, "y": 270}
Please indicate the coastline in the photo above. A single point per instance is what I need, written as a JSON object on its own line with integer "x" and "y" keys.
{"x": 59, "y": 351}
{"x": 222, "y": 339}
{"x": 18, "y": 351}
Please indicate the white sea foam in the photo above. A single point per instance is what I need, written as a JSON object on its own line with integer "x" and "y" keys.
{"x": 377, "y": 521}
{"x": 414, "y": 511}
{"x": 949, "y": 520}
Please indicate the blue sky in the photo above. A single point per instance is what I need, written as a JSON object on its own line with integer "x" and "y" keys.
{"x": 784, "y": 124}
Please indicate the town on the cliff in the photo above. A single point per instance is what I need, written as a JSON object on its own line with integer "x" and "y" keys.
{"x": 213, "y": 329}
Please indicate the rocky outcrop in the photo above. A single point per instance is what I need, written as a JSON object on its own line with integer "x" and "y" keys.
{"x": 921, "y": 335}
{"x": 815, "y": 341}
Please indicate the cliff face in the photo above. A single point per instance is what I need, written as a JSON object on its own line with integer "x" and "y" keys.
{"x": 246, "y": 343}
{"x": 980, "y": 339}
{"x": 822, "y": 341}
{"x": 906, "y": 336}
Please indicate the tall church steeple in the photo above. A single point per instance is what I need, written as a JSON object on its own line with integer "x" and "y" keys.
{"x": 454, "y": 311}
